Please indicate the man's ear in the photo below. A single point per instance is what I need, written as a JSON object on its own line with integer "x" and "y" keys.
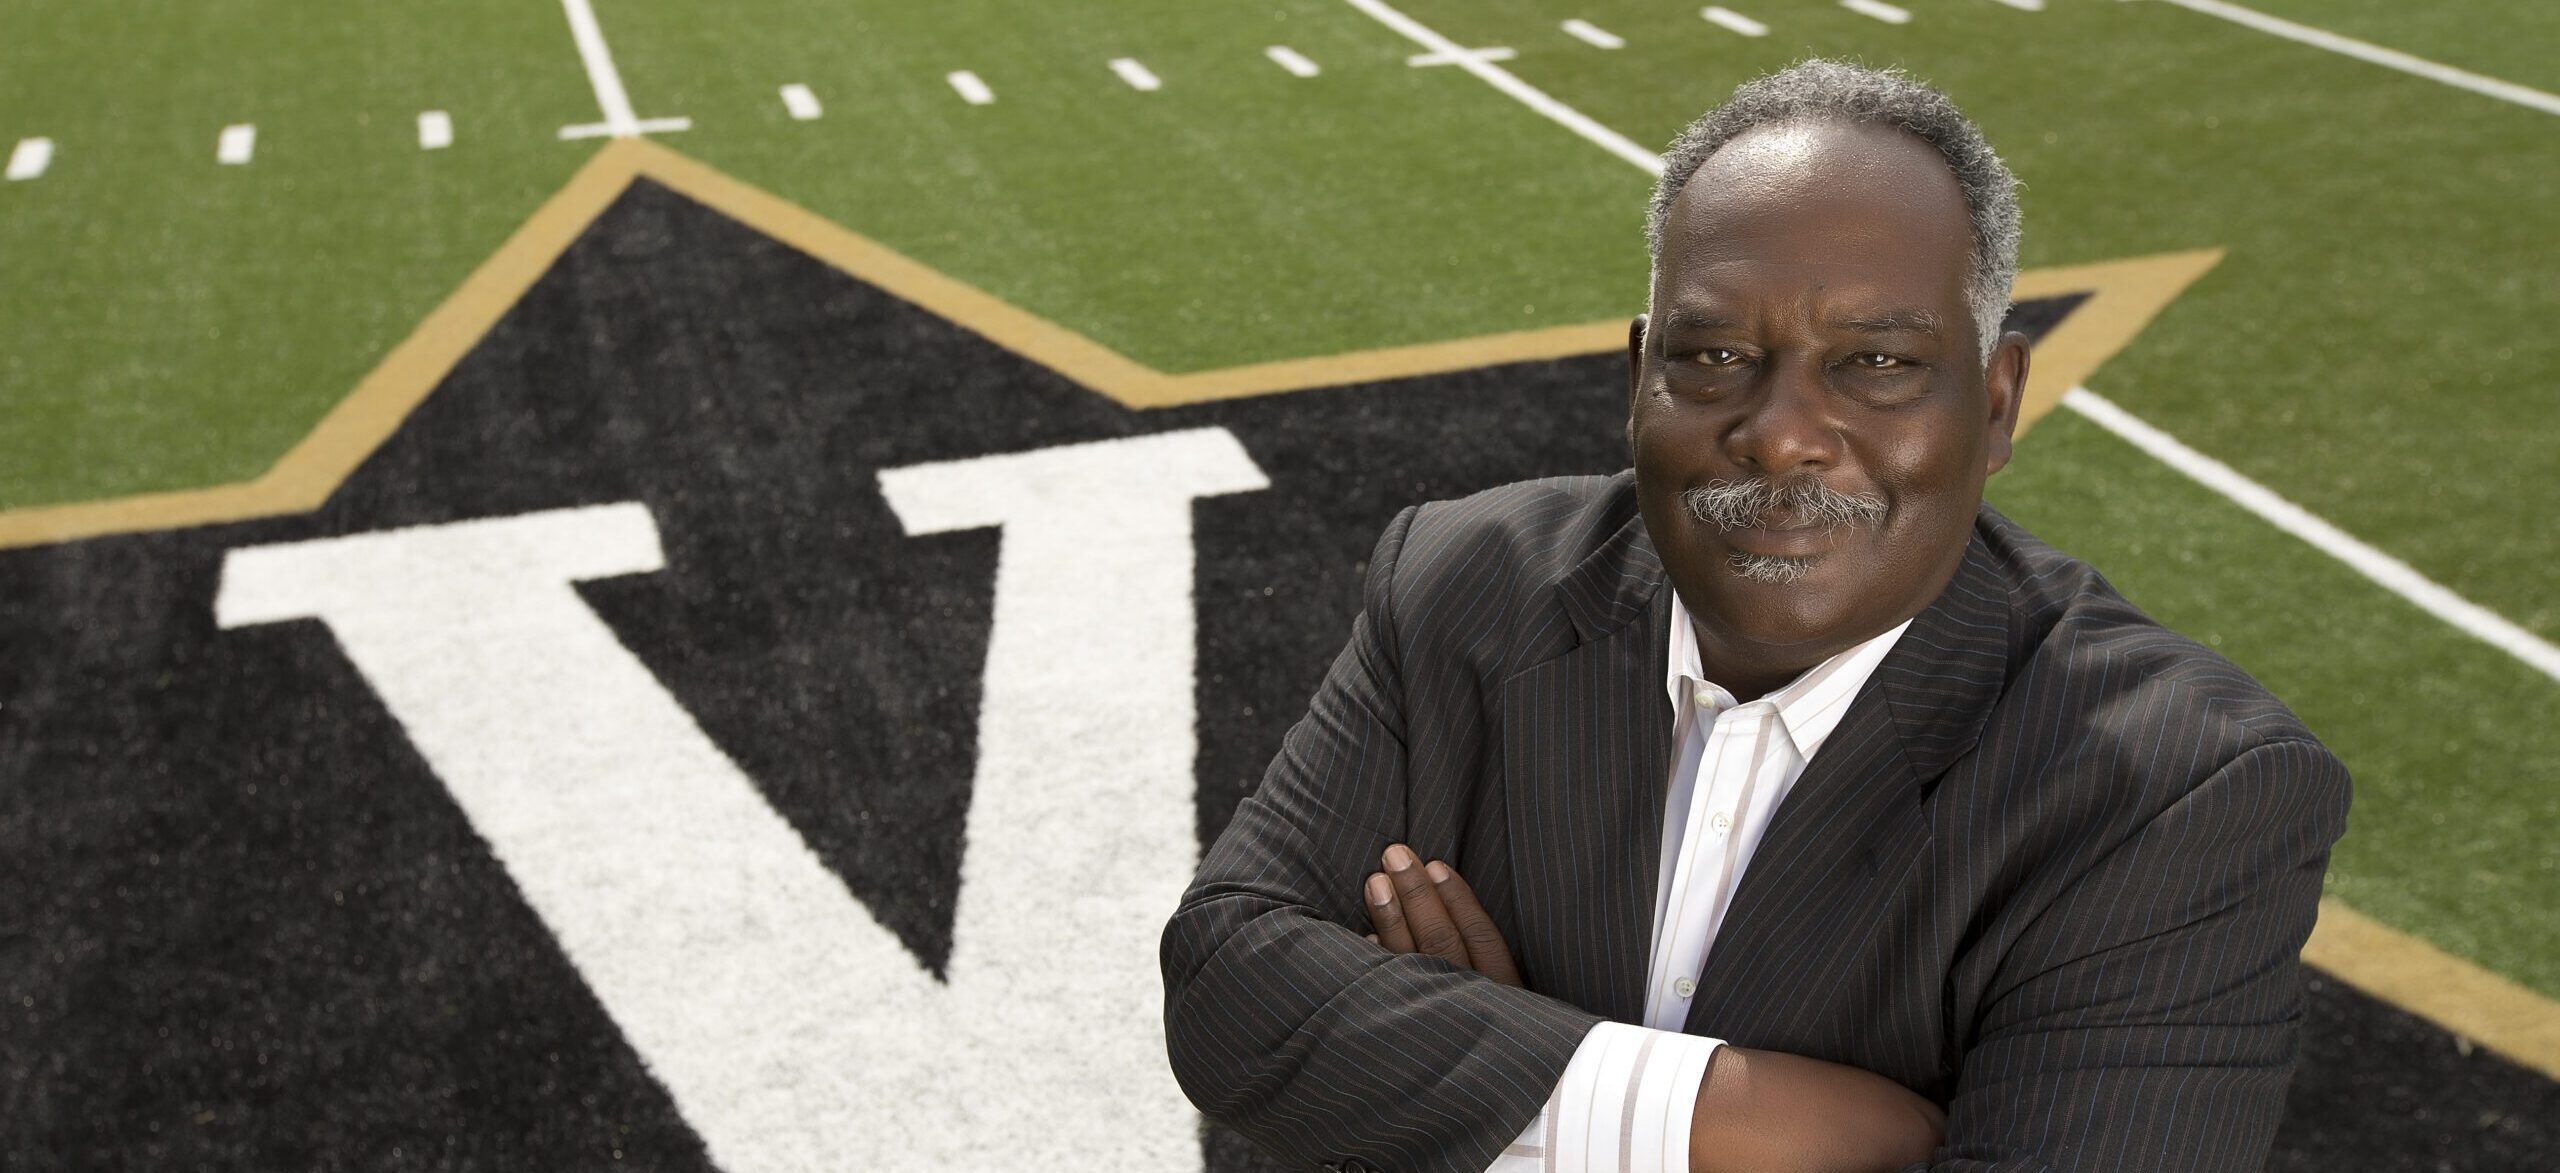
{"x": 2004, "y": 385}
{"x": 1635, "y": 374}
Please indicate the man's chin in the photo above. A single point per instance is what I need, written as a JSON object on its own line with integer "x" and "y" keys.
{"x": 1771, "y": 569}
{"x": 1798, "y": 604}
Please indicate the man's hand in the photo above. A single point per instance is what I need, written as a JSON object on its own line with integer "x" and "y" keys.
{"x": 1758, "y": 1111}
{"x": 1428, "y": 908}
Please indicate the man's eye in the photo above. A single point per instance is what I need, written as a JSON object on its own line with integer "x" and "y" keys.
{"x": 1874, "y": 361}
{"x": 1716, "y": 356}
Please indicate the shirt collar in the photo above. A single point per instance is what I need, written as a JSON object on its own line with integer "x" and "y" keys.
{"x": 1808, "y": 707}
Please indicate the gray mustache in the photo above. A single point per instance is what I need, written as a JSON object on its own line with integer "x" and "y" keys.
{"x": 1732, "y": 505}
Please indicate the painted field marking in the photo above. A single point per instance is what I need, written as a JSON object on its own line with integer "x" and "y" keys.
{"x": 237, "y": 144}
{"x": 2455, "y": 994}
{"x": 1291, "y": 60}
{"x": 802, "y": 104}
{"x": 1735, "y": 21}
{"x": 2462, "y": 79}
{"x": 2390, "y": 573}
{"x": 435, "y": 130}
{"x": 971, "y": 90}
{"x": 30, "y": 158}
{"x": 620, "y": 121}
{"x": 1492, "y": 53}
{"x": 787, "y": 1024}
{"x": 1505, "y": 81}
{"x": 602, "y": 76}
{"x": 1139, "y": 77}
{"x": 1592, "y": 34}
{"x": 2025, "y": 5}
{"x": 1879, "y": 10}
{"x": 606, "y": 130}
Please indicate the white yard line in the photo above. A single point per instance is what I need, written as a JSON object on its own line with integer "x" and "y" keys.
{"x": 644, "y": 126}
{"x": 1879, "y": 10}
{"x": 2025, "y": 5}
{"x": 970, "y": 89}
{"x": 619, "y": 119}
{"x": 802, "y": 104}
{"x": 2392, "y": 574}
{"x": 236, "y": 145}
{"x": 1520, "y": 91}
{"x": 2504, "y": 91}
{"x": 30, "y": 158}
{"x": 1291, "y": 60}
{"x": 611, "y": 98}
{"x": 435, "y": 130}
{"x": 1592, "y": 34}
{"x": 1139, "y": 77}
{"x": 1735, "y": 21}
{"x": 1492, "y": 53}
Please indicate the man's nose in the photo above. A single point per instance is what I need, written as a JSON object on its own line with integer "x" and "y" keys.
{"x": 1786, "y": 424}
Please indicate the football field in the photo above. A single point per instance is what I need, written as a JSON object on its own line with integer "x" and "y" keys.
{"x": 2299, "y": 383}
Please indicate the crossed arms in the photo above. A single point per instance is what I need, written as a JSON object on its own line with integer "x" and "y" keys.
{"x": 1757, "y": 1111}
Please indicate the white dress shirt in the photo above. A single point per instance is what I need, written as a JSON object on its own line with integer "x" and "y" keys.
{"x": 1625, "y": 1101}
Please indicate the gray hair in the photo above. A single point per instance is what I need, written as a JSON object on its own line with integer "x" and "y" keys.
{"x": 1817, "y": 89}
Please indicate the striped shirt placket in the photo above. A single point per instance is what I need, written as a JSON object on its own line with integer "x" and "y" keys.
{"x": 1739, "y": 760}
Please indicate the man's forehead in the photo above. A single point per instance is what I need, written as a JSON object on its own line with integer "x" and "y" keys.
{"x": 1896, "y": 268}
{"x": 1876, "y": 187}
{"x": 1866, "y": 215}
{"x": 1823, "y": 154}
{"x": 1856, "y": 305}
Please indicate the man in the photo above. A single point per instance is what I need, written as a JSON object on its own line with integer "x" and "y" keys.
{"x": 1930, "y": 821}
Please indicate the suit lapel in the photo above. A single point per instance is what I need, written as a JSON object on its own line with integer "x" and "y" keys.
{"x": 1840, "y": 847}
{"x": 1586, "y": 739}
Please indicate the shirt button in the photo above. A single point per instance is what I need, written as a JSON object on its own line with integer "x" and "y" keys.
{"x": 1684, "y": 987}
{"x": 1706, "y": 698}
{"x": 1723, "y": 822}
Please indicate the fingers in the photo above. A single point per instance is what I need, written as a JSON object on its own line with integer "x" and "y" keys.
{"x": 1423, "y": 916}
{"x": 1385, "y": 916}
{"x": 1428, "y": 908}
{"x": 1492, "y": 954}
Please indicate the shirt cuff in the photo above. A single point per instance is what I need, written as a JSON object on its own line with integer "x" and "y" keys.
{"x": 1623, "y": 1106}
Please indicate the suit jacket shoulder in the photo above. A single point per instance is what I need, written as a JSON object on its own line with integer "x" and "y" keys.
{"x": 1515, "y": 574}
{"x": 2146, "y": 704}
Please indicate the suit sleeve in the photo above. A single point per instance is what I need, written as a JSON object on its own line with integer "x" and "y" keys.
{"x": 2147, "y": 1019}
{"x": 1281, "y": 1020}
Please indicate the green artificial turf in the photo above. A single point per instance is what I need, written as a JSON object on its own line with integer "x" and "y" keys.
{"x": 174, "y": 322}
{"x": 1239, "y": 214}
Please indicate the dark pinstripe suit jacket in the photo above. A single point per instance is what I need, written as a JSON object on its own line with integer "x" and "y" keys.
{"x": 2053, "y": 870}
